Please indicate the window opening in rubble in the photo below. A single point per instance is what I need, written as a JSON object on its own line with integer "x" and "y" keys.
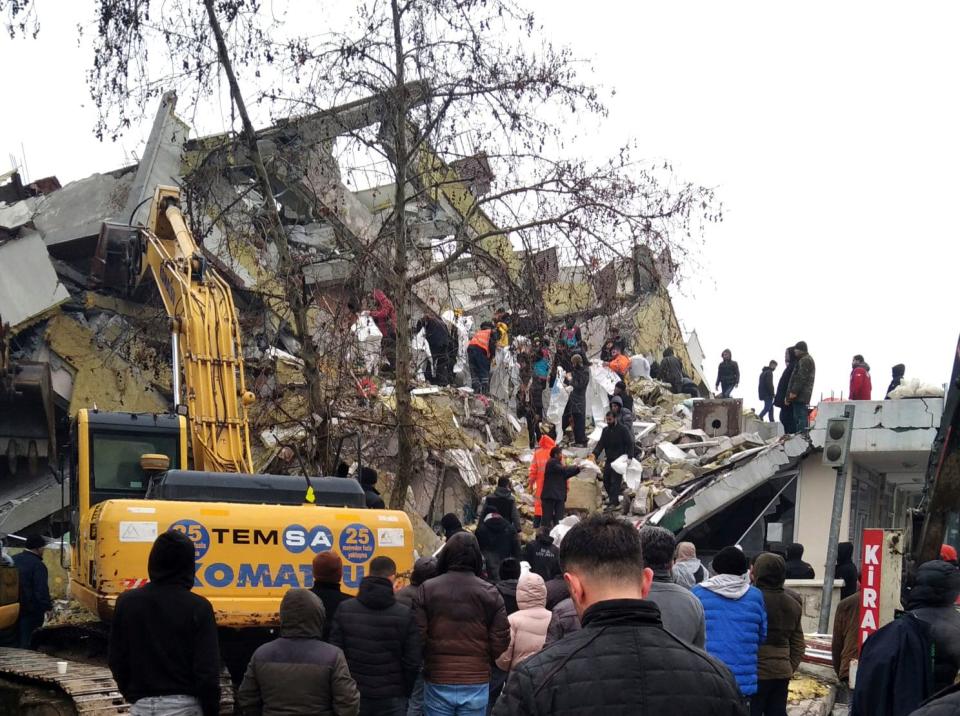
{"x": 116, "y": 459}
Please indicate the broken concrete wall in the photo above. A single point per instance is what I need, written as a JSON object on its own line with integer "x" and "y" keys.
{"x": 29, "y": 287}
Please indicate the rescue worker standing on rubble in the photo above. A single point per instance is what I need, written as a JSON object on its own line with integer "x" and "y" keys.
{"x": 860, "y": 385}
{"x": 800, "y": 389}
{"x": 385, "y": 316}
{"x": 670, "y": 371}
{"x": 438, "y": 338}
{"x": 766, "y": 391}
{"x": 578, "y": 380}
{"x": 480, "y": 352}
{"x": 570, "y": 335}
{"x": 554, "y": 493}
{"x": 780, "y": 397}
{"x": 615, "y": 441}
{"x": 728, "y": 374}
{"x": 619, "y": 363}
{"x": 538, "y": 467}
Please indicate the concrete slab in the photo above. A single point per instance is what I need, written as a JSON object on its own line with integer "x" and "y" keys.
{"x": 69, "y": 219}
{"x": 13, "y": 216}
{"x": 29, "y": 287}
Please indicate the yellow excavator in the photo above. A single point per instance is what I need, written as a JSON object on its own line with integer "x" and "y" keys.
{"x": 255, "y": 536}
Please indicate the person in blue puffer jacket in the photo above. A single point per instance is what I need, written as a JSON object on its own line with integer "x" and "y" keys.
{"x": 735, "y": 615}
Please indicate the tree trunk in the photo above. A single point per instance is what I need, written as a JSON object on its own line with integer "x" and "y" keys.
{"x": 405, "y": 436}
{"x": 290, "y": 275}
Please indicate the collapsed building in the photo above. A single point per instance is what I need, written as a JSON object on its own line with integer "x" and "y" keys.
{"x": 69, "y": 341}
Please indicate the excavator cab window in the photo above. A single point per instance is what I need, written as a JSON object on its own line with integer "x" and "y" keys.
{"x": 115, "y": 461}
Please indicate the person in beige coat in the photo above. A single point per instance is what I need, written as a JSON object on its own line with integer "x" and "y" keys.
{"x": 528, "y": 625}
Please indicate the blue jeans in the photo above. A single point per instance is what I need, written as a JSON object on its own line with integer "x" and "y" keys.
{"x": 455, "y": 699}
{"x": 801, "y": 415}
{"x": 167, "y": 706}
{"x": 767, "y": 409}
{"x": 725, "y": 390}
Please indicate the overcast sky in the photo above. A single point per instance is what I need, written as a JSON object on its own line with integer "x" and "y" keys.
{"x": 830, "y": 131}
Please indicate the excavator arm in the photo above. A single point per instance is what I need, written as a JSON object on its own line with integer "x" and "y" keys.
{"x": 205, "y": 334}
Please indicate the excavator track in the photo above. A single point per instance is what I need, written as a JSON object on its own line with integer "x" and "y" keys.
{"x": 91, "y": 688}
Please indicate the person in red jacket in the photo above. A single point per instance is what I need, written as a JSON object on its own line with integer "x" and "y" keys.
{"x": 860, "y": 387}
{"x": 385, "y": 316}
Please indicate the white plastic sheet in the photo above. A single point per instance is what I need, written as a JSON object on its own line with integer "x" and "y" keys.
{"x": 421, "y": 353}
{"x": 559, "y": 394}
{"x": 368, "y": 340}
{"x": 464, "y": 326}
{"x": 565, "y": 525}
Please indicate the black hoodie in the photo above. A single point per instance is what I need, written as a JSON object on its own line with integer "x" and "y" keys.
{"x": 498, "y": 540}
{"x": 163, "y": 638}
{"x": 846, "y": 569}
{"x": 380, "y": 639}
{"x": 796, "y": 567}
{"x": 543, "y": 556}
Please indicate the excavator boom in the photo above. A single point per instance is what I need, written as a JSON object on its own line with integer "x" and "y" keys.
{"x": 205, "y": 334}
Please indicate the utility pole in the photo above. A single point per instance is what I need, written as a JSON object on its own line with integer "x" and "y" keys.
{"x": 836, "y": 453}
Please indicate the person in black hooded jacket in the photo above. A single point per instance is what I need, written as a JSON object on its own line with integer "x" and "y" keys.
{"x": 498, "y": 540}
{"x": 932, "y": 599}
{"x": 509, "y": 580}
{"x": 846, "y": 569}
{"x": 381, "y": 641}
{"x": 163, "y": 638}
{"x": 543, "y": 555}
{"x": 786, "y": 414}
{"x": 796, "y": 567}
{"x": 368, "y": 480}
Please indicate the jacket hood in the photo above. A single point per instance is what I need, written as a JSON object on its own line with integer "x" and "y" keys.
{"x": 504, "y": 492}
{"x": 898, "y": 370}
{"x": 616, "y": 399}
{"x": 544, "y": 539}
{"x": 795, "y": 551}
{"x": 547, "y": 442}
{"x": 301, "y": 615}
{"x": 379, "y": 296}
{"x": 531, "y": 591}
{"x": 172, "y": 559}
{"x": 461, "y": 553}
{"x": 845, "y": 553}
{"x": 937, "y": 585}
{"x": 423, "y": 569}
{"x": 376, "y": 593}
{"x": 770, "y": 571}
{"x": 690, "y": 565}
{"x": 731, "y": 586}
{"x": 495, "y": 522}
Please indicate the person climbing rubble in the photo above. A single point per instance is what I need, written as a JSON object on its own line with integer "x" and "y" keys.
{"x": 615, "y": 441}
{"x": 624, "y": 416}
{"x": 525, "y": 409}
{"x": 578, "y": 380}
{"x": 480, "y": 352}
{"x": 438, "y": 338}
{"x": 570, "y": 335}
{"x": 503, "y": 502}
{"x": 554, "y": 493}
{"x": 728, "y": 374}
{"x": 538, "y": 468}
{"x": 618, "y": 363}
{"x": 498, "y": 540}
{"x": 670, "y": 370}
{"x": 385, "y": 316}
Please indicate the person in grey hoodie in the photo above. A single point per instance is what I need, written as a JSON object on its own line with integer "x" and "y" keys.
{"x": 624, "y": 416}
{"x": 680, "y": 611}
{"x": 687, "y": 567}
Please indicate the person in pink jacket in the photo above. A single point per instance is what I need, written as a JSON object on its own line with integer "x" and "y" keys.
{"x": 528, "y": 625}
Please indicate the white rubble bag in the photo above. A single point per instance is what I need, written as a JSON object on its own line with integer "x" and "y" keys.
{"x": 420, "y": 354}
{"x": 559, "y": 394}
{"x": 564, "y": 526}
{"x": 501, "y": 372}
{"x": 913, "y": 388}
{"x": 464, "y": 326}
{"x": 639, "y": 367}
{"x": 368, "y": 340}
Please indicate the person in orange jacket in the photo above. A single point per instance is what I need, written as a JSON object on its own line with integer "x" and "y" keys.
{"x": 538, "y": 467}
{"x": 619, "y": 363}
